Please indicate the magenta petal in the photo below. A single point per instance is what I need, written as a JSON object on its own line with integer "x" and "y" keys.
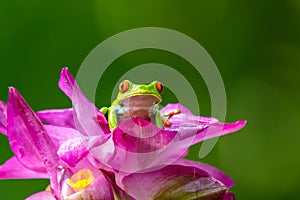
{"x": 41, "y": 196}
{"x": 219, "y": 129}
{"x": 130, "y": 162}
{"x": 171, "y": 107}
{"x": 232, "y": 127}
{"x": 28, "y": 139}
{"x": 229, "y": 196}
{"x": 100, "y": 189}
{"x": 13, "y": 169}
{"x": 58, "y": 117}
{"x": 72, "y": 151}
{"x": 59, "y": 134}
{"x": 85, "y": 112}
{"x": 130, "y": 136}
{"x": 116, "y": 190}
{"x": 198, "y": 128}
{"x": 26, "y": 134}
{"x": 212, "y": 171}
{"x": 173, "y": 182}
{"x": 138, "y": 145}
{"x": 3, "y": 118}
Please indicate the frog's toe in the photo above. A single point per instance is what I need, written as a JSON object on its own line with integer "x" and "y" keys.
{"x": 173, "y": 112}
{"x": 167, "y": 123}
{"x": 104, "y": 110}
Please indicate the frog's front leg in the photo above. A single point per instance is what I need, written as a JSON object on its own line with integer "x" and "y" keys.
{"x": 168, "y": 115}
{"x": 158, "y": 119}
{"x": 104, "y": 110}
{"x": 112, "y": 119}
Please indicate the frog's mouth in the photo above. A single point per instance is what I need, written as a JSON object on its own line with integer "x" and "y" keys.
{"x": 140, "y": 100}
{"x": 141, "y": 106}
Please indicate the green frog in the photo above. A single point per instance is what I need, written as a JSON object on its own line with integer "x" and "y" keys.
{"x": 138, "y": 101}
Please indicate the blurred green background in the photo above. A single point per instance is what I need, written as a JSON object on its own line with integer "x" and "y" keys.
{"x": 255, "y": 44}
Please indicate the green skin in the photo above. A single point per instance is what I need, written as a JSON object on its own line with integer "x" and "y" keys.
{"x": 138, "y": 101}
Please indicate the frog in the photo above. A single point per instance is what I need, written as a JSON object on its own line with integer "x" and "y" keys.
{"x": 138, "y": 101}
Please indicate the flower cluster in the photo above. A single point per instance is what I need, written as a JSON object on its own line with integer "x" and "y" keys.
{"x": 75, "y": 149}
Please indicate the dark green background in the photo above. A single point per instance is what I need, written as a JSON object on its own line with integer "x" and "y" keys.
{"x": 255, "y": 44}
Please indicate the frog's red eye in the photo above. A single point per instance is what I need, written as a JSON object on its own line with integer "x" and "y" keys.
{"x": 124, "y": 86}
{"x": 159, "y": 87}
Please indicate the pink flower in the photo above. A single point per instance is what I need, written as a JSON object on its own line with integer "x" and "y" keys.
{"x": 82, "y": 158}
{"x": 47, "y": 151}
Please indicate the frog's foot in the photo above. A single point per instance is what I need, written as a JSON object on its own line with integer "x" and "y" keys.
{"x": 104, "y": 110}
{"x": 173, "y": 112}
{"x": 166, "y": 122}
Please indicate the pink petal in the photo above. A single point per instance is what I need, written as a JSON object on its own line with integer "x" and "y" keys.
{"x": 100, "y": 189}
{"x": 229, "y": 196}
{"x": 72, "y": 151}
{"x": 198, "y": 128}
{"x": 134, "y": 138}
{"x": 59, "y": 134}
{"x": 140, "y": 145}
{"x": 219, "y": 129}
{"x": 212, "y": 171}
{"x": 103, "y": 153}
{"x": 72, "y": 146}
{"x": 28, "y": 138}
{"x": 125, "y": 161}
{"x": 13, "y": 169}
{"x": 171, "y": 107}
{"x": 41, "y": 196}
{"x": 116, "y": 190}
{"x": 24, "y": 130}
{"x": 3, "y": 118}
{"x": 58, "y": 117}
{"x": 85, "y": 112}
{"x": 174, "y": 182}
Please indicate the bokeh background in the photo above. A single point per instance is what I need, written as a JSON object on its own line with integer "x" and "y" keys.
{"x": 255, "y": 44}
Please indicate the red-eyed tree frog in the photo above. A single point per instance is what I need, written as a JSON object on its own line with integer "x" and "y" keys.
{"x": 138, "y": 101}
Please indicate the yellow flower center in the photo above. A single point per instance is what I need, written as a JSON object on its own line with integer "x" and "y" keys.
{"x": 81, "y": 180}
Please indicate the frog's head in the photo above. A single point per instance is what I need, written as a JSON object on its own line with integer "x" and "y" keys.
{"x": 139, "y": 95}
